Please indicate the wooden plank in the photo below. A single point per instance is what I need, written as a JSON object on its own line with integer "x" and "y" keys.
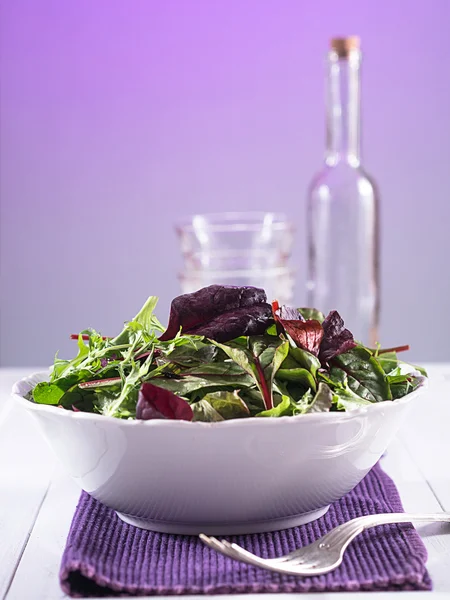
{"x": 427, "y": 437}
{"x": 42, "y": 557}
{"x": 25, "y": 466}
{"x": 417, "y": 496}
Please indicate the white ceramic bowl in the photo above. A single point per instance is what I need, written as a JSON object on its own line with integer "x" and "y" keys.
{"x": 237, "y": 476}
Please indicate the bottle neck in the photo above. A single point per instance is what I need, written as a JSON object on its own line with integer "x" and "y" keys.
{"x": 343, "y": 108}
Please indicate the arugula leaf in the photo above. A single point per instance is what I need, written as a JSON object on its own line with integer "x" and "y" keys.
{"x": 261, "y": 359}
{"x": 63, "y": 367}
{"x": 388, "y": 361}
{"x": 144, "y": 322}
{"x": 126, "y": 402}
{"x": 365, "y": 375}
{"x": 145, "y": 316}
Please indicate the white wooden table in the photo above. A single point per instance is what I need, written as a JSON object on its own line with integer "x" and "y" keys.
{"x": 37, "y": 499}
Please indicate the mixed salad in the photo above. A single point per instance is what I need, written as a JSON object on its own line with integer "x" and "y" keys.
{"x": 225, "y": 354}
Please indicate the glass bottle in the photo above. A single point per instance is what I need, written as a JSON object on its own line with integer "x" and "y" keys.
{"x": 343, "y": 206}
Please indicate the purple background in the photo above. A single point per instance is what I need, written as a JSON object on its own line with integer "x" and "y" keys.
{"x": 117, "y": 117}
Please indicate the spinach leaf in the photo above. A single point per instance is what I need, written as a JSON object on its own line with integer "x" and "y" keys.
{"x": 305, "y": 359}
{"x": 261, "y": 359}
{"x": 49, "y": 393}
{"x": 78, "y": 400}
{"x": 312, "y": 314}
{"x": 188, "y": 355}
{"x": 253, "y": 399}
{"x": 302, "y": 376}
{"x": 365, "y": 375}
{"x": 402, "y": 383}
{"x": 52, "y": 392}
{"x": 187, "y": 384}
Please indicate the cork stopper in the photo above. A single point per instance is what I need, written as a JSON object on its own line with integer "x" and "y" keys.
{"x": 343, "y": 45}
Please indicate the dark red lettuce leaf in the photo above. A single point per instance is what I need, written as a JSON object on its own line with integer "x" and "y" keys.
{"x": 337, "y": 339}
{"x": 220, "y": 312}
{"x": 252, "y": 320}
{"x": 156, "y": 403}
{"x": 306, "y": 334}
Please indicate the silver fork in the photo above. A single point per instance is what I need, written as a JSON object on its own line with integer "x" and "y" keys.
{"x": 323, "y": 555}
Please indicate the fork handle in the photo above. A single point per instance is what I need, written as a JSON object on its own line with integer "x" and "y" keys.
{"x": 374, "y": 520}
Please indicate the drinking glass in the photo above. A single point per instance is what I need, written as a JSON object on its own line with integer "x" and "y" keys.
{"x": 233, "y": 248}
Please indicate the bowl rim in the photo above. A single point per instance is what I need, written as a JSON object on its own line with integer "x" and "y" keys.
{"x": 338, "y": 416}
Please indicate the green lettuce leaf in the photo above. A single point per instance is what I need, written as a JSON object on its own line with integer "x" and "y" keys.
{"x": 203, "y": 411}
{"x": 322, "y": 401}
{"x": 283, "y": 409}
{"x": 229, "y": 405}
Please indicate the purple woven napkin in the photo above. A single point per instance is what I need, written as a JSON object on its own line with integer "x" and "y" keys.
{"x": 105, "y": 556}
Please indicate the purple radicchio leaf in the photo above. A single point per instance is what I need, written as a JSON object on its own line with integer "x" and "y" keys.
{"x": 157, "y": 403}
{"x": 220, "y": 313}
{"x": 337, "y": 339}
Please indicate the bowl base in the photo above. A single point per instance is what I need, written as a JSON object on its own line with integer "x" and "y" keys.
{"x": 224, "y": 528}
